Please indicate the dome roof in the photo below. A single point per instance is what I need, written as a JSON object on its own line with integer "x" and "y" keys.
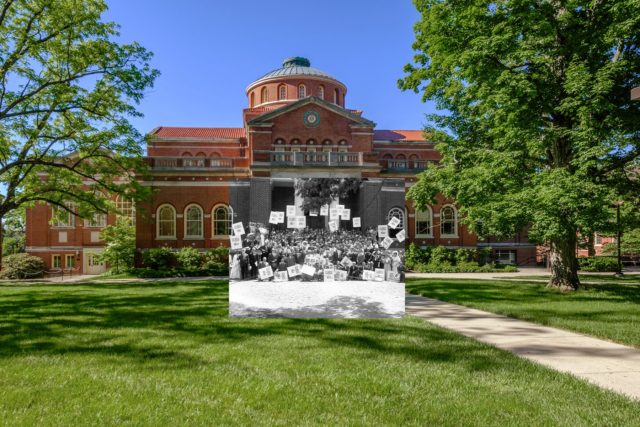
{"x": 295, "y": 66}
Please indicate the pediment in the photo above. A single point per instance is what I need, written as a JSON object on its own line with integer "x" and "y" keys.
{"x": 267, "y": 119}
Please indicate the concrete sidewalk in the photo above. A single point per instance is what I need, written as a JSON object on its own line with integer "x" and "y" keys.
{"x": 609, "y": 365}
{"x": 540, "y": 274}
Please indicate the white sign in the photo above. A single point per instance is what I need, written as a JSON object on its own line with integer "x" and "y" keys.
{"x": 401, "y": 236}
{"x": 308, "y": 270}
{"x": 263, "y": 230}
{"x": 329, "y": 275}
{"x": 333, "y": 226}
{"x": 386, "y": 242}
{"x": 291, "y": 210}
{"x": 280, "y": 217}
{"x": 265, "y": 273}
{"x": 346, "y": 214}
{"x": 238, "y": 229}
{"x": 346, "y": 261}
{"x": 292, "y": 222}
{"x": 340, "y": 208}
{"x": 313, "y": 212}
{"x": 273, "y": 217}
{"x": 378, "y": 275}
{"x": 280, "y": 276}
{"x": 294, "y": 270}
{"x": 334, "y": 213}
{"x": 356, "y": 222}
{"x": 341, "y": 275}
{"x": 236, "y": 242}
{"x": 324, "y": 210}
{"x": 368, "y": 275}
{"x": 301, "y": 222}
{"x": 394, "y": 222}
{"x": 383, "y": 231}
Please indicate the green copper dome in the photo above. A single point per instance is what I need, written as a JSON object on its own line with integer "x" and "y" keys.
{"x": 295, "y": 66}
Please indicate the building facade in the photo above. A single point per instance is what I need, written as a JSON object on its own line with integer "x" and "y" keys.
{"x": 296, "y": 124}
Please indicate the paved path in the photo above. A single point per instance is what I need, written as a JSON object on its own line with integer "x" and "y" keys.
{"x": 522, "y": 272}
{"x": 609, "y": 365}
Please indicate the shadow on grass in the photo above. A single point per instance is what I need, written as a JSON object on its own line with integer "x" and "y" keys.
{"x": 168, "y": 323}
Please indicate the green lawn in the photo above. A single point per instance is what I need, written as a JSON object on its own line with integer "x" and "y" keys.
{"x": 167, "y": 354}
{"x": 608, "y": 310}
{"x": 586, "y": 277}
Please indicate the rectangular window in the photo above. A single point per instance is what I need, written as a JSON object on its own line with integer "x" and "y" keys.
{"x": 69, "y": 261}
{"x": 506, "y": 256}
{"x": 97, "y": 221}
{"x": 62, "y": 217}
{"x": 56, "y": 261}
{"x": 423, "y": 227}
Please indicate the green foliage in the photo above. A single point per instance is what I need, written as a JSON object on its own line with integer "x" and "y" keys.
{"x": 22, "y": 266}
{"x": 120, "y": 245}
{"x": 629, "y": 244}
{"x": 598, "y": 264}
{"x": 158, "y": 258}
{"x": 13, "y": 232}
{"x": 189, "y": 258}
{"x": 439, "y": 259}
{"x": 540, "y": 129}
{"x": 68, "y": 91}
{"x": 217, "y": 261}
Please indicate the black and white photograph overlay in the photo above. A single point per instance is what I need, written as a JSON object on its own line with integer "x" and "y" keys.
{"x": 317, "y": 247}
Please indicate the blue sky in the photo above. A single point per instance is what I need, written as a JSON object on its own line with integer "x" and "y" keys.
{"x": 209, "y": 51}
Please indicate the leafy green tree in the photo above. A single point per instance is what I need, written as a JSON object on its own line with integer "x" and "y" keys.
{"x": 13, "y": 232}
{"x": 629, "y": 244}
{"x": 539, "y": 127}
{"x": 67, "y": 92}
{"x": 120, "y": 244}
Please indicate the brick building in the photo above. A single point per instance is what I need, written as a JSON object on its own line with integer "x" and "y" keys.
{"x": 296, "y": 124}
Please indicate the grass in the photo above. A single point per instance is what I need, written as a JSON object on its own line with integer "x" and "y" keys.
{"x": 167, "y": 354}
{"x": 600, "y": 278}
{"x": 608, "y": 310}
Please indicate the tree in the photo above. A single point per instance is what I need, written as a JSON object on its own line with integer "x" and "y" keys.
{"x": 13, "y": 232}
{"x": 120, "y": 244}
{"x": 316, "y": 192}
{"x": 538, "y": 127}
{"x": 67, "y": 92}
{"x": 629, "y": 244}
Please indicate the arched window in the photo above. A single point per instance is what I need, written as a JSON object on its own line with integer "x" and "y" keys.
{"x": 166, "y": 222}
{"x": 448, "y": 222}
{"x": 424, "y": 219}
{"x": 336, "y": 97}
{"x": 253, "y": 100}
{"x": 282, "y": 92}
{"x": 193, "y": 227}
{"x": 125, "y": 208}
{"x": 397, "y": 213}
{"x": 302, "y": 91}
{"x": 264, "y": 95}
{"x": 222, "y": 217}
{"x": 321, "y": 92}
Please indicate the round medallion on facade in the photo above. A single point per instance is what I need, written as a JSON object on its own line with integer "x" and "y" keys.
{"x": 311, "y": 118}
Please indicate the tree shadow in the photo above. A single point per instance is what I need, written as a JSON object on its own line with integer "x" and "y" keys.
{"x": 124, "y": 321}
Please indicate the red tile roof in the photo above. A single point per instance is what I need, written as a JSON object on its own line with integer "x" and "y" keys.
{"x": 182, "y": 132}
{"x": 398, "y": 135}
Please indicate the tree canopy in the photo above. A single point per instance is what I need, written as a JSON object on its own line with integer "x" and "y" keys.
{"x": 68, "y": 89}
{"x": 537, "y": 127}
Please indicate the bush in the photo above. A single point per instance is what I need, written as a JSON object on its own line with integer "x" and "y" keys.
{"x": 189, "y": 258}
{"x": 441, "y": 256}
{"x": 219, "y": 255}
{"x": 465, "y": 255}
{"x": 598, "y": 264}
{"x": 23, "y": 266}
{"x": 158, "y": 258}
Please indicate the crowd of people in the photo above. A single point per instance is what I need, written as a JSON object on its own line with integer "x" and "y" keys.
{"x": 348, "y": 254}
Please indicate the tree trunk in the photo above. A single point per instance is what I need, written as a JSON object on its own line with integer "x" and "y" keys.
{"x": 564, "y": 265}
{"x": 591, "y": 245}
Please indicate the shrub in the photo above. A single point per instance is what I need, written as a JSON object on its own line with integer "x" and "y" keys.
{"x": 218, "y": 255}
{"x": 189, "y": 258}
{"x": 598, "y": 264}
{"x": 158, "y": 258}
{"x": 465, "y": 255}
{"x": 441, "y": 255}
{"x": 23, "y": 266}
